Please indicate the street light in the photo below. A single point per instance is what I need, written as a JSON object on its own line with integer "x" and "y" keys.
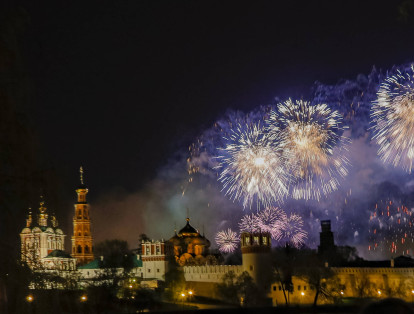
{"x": 379, "y": 292}
{"x": 29, "y": 298}
{"x": 84, "y": 298}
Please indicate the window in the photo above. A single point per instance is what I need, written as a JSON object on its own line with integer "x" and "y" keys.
{"x": 86, "y": 249}
{"x": 79, "y": 249}
{"x": 274, "y": 288}
{"x": 158, "y": 270}
{"x": 149, "y": 270}
{"x": 158, "y": 250}
{"x": 280, "y": 288}
{"x": 251, "y": 267}
{"x": 298, "y": 288}
{"x": 304, "y": 287}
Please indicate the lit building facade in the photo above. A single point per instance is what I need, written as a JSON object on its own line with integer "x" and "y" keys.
{"x": 43, "y": 243}
{"x": 82, "y": 241}
{"x": 189, "y": 245}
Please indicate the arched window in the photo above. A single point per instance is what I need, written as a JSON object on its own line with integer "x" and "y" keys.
{"x": 79, "y": 249}
{"x": 86, "y": 249}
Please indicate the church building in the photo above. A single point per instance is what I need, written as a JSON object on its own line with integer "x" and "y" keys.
{"x": 189, "y": 245}
{"x": 43, "y": 243}
{"x": 82, "y": 247}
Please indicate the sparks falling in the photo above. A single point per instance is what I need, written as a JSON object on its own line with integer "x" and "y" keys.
{"x": 227, "y": 240}
{"x": 252, "y": 168}
{"x": 272, "y": 220}
{"x": 293, "y": 232}
{"x": 393, "y": 119}
{"x": 313, "y": 145}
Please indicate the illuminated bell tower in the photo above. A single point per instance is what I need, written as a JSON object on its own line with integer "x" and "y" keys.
{"x": 82, "y": 248}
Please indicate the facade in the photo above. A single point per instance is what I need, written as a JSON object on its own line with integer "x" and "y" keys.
{"x": 189, "y": 245}
{"x": 148, "y": 268}
{"x": 43, "y": 243}
{"x": 82, "y": 241}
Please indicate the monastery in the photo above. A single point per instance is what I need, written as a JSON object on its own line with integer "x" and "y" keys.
{"x": 42, "y": 248}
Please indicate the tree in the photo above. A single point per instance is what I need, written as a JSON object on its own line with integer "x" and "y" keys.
{"x": 115, "y": 254}
{"x": 174, "y": 279}
{"x": 239, "y": 289}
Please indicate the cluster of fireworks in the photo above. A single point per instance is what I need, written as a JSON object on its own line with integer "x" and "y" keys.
{"x": 299, "y": 151}
{"x": 227, "y": 240}
{"x": 393, "y": 118}
{"x": 390, "y": 229}
{"x": 273, "y": 220}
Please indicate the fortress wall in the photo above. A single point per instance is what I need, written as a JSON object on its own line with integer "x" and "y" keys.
{"x": 211, "y": 273}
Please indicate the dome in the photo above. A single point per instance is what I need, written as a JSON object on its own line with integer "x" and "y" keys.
{"x": 188, "y": 230}
{"x": 26, "y": 230}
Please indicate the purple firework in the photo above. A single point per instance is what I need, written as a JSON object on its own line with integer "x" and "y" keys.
{"x": 293, "y": 232}
{"x": 249, "y": 223}
{"x": 227, "y": 240}
{"x": 272, "y": 220}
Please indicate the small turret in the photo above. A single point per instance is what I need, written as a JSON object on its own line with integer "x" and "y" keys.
{"x": 29, "y": 219}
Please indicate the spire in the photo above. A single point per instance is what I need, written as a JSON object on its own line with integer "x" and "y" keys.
{"x": 81, "y": 175}
{"x": 188, "y": 214}
{"x": 42, "y": 218}
{"x": 29, "y": 218}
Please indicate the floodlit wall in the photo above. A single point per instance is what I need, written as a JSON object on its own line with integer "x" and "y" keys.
{"x": 212, "y": 273}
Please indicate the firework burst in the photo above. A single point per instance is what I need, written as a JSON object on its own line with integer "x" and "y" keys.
{"x": 313, "y": 145}
{"x": 227, "y": 240}
{"x": 390, "y": 229}
{"x": 272, "y": 220}
{"x": 249, "y": 223}
{"x": 393, "y": 119}
{"x": 252, "y": 167}
{"x": 293, "y": 232}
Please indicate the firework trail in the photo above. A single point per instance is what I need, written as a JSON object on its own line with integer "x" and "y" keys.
{"x": 252, "y": 167}
{"x": 272, "y": 220}
{"x": 293, "y": 232}
{"x": 227, "y": 240}
{"x": 391, "y": 229}
{"x": 312, "y": 143}
{"x": 249, "y": 223}
{"x": 393, "y": 119}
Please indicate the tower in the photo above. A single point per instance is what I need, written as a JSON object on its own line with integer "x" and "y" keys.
{"x": 327, "y": 244}
{"x": 82, "y": 248}
{"x": 256, "y": 258}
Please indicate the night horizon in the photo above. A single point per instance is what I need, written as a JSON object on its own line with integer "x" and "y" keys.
{"x": 264, "y": 118}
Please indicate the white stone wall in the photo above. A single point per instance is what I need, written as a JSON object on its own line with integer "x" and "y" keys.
{"x": 212, "y": 273}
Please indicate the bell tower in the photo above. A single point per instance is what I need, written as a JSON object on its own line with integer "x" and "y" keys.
{"x": 82, "y": 248}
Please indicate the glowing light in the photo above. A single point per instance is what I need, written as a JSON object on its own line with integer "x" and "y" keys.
{"x": 183, "y": 295}
{"x": 272, "y": 220}
{"x": 293, "y": 232}
{"x": 313, "y": 146}
{"x": 302, "y": 293}
{"x": 190, "y": 292}
{"x": 29, "y": 298}
{"x": 249, "y": 223}
{"x": 227, "y": 240}
{"x": 84, "y": 298}
{"x": 393, "y": 119}
{"x": 252, "y": 168}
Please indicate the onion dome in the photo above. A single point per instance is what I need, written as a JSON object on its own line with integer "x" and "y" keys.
{"x": 188, "y": 230}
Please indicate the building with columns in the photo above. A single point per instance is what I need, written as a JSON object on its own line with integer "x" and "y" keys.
{"x": 82, "y": 241}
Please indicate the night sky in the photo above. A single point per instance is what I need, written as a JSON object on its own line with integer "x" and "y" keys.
{"x": 124, "y": 87}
